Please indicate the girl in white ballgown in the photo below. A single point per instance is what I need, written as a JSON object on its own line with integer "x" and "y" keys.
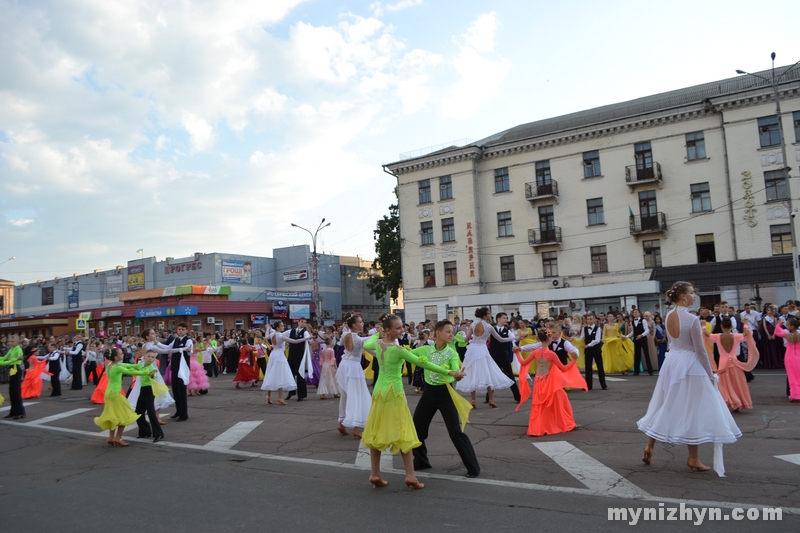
{"x": 482, "y": 373}
{"x": 278, "y": 376}
{"x": 355, "y": 400}
{"x": 686, "y": 407}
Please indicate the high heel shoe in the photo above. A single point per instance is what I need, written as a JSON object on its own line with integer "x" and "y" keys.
{"x": 648, "y": 455}
{"x": 697, "y": 465}
{"x": 110, "y": 442}
{"x": 413, "y": 483}
{"x": 377, "y": 482}
{"x": 356, "y": 434}
{"x": 473, "y": 404}
{"x": 492, "y": 404}
{"x": 342, "y": 430}
{"x": 120, "y": 442}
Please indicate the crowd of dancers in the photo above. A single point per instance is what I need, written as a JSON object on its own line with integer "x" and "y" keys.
{"x": 704, "y": 360}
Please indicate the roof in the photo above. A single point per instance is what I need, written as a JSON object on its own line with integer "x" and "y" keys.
{"x": 712, "y": 276}
{"x": 639, "y": 106}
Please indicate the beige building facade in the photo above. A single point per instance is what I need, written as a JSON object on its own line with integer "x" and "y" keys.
{"x": 607, "y": 207}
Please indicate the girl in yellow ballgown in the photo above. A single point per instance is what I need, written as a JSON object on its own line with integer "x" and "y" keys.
{"x": 617, "y": 349}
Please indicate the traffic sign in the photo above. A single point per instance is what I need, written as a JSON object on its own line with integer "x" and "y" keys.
{"x": 80, "y": 324}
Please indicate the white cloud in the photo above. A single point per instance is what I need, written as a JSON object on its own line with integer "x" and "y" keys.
{"x": 378, "y": 9}
{"x": 21, "y": 222}
{"x": 480, "y": 34}
{"x": 200, "y": 132}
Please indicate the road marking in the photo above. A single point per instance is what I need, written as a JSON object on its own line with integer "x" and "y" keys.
{"x": 608, "y": 378}
{"x": 363, "y": 460}
{"x": 59, "y": 416}
{"x": 595, "y": 475}
{"x": 445, "y": 477}
{"x": 793, "y": 458}
{"x": 25, "y": 404}
{"x": 231, "y": 436}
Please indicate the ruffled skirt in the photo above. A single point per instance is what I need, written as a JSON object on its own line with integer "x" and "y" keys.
{"x": 351, "y": 380}
{"x": 617, "y": 355}
{"x": 278, "y": 375}
{"x": 389, "y": 424}
{"x": 686, "y": 407}
{"x": 481, "y": 371}
{"x": 327, "y": 381}
{"x": 245, "y": 374}
{"x": 117, "y": 412}
{"x": 198, "y": 380}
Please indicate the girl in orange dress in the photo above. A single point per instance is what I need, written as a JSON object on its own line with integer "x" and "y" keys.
{"x": 732, "y": 382}
{"x": 551, "y": 412}
{"x": 32, "y": 384}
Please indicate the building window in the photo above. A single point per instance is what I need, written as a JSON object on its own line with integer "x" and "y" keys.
{"x": 197, "y": 325}
{"x": 550, "y": 264}
{"x": 448, "y": 230}
{"x": 594, "y": 208}
{"x": 507, "y": 272}
{"x": 504, "y": 228}
{"x": 450, "y": 273}
{"x": 776, "y": 186}
{"x": 796, "y": 118}
{"x": 543, "y": 173}
{"x": 47, "y": 295}
{"x": 171, "y": 325}
{"x": 445, "y": 188}
{"x": 643, "y": 153}
{"x": 426, "y": 232}
{"x": 695, "y": 146}
{"x": 239, "y": 323}
{"x": 428, "y": 275}
{"x": 652, "y": 253}
{"x": 701, "y": 197}
{"x": 501, "y": 183}
{"x": 591, "y": 164}
{"x": 425, "y": 191}
{"x": 599, "y": 259}
{"x": 781, "y": 235}
{"x": 769, "y": 133}
{"x": 219, "y": 325}
{"x": 705, "y": 248}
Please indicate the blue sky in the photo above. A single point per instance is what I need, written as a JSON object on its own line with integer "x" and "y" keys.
{"x": 191, "y": 126}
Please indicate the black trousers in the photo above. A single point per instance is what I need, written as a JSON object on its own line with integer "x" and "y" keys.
{"x": 179, "y": 388}
{"x": 147, "y": 404}
{"x": 594, "y": 355}
{"x": 77, "y": 379}
{"x": 91, "y": 373}
{"x": 436, "y": 398}
{"x": 163, "y": 360}
{"x": 505, "y": 366}
{"x": 209, "y": 368}
{"x": 410, "y": 372}
{"x": 231, "y": 357}
{"x": 262, "y": 364}
{"x": 55, "y": 368}
{"x": 640, "y": 347}
{"x": 375, "y": 370}
{"x": 294, "y": 365}
{"x": 15, "y": 393}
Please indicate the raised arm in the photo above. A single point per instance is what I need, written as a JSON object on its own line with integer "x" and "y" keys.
{"x": 496, "y": 336}
{"x": 696, "y": 334}
{"x": 157, "y": 347}
{"x": 553, "y": 358}
{"x": 779, "y": 331}
{"x": 371, "y": 343}
{"x": 286, "y": 335}
{"x": 427, "y": 365}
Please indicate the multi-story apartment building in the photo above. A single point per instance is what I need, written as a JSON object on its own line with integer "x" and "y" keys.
{"x": 608, "y": 207}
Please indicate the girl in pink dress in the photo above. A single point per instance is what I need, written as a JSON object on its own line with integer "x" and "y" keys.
{"x": 327, "y": 381}
{"x": 732, "y": 382}
{"x": 792, "y": 358}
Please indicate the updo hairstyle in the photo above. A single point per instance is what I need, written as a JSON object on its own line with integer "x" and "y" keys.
{"x": 680, "y": 288}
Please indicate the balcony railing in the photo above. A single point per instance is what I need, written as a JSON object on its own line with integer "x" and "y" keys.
{"x": 544, "y": 237}
{"x": 648, "y": 224}
{"x": 641, "y": 176}
{"x": 536, "y": 191}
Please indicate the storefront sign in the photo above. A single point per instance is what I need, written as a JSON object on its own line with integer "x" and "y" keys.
{"x": 749, "y": 200}
{"x": 289, "y": 296}
{"x": 113, "y": 285}
{"x": 298, "y": 311}
{"x": 182, "y": 310}
{"x": 182, "y": 267}
{"x": 72, "y": 295}
{"x": 237, "y": 272}
{"x": 280, "y": 310}
{"x": 295, "y": 275}
{"x": 258, "y": 319}
{"x": 136, "y": 278}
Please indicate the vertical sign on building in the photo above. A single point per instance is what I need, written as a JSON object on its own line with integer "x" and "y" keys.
{"x": 72, "y": 295}
{"x": 470, "y": 251}
{"x": 136, "y": 278}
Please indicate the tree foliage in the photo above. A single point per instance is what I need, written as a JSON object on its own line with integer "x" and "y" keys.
{"x": 387, "y": 257}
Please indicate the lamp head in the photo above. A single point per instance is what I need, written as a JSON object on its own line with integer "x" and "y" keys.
{"x": 294, "y": 225}
{"x": 323, "y": 220}
{"x": 740, "y": 71}
{"x": 772, "y": 55}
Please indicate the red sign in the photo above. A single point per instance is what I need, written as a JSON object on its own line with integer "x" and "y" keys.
{"x": 470, "y": 250}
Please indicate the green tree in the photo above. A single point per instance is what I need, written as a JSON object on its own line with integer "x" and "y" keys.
{"x": 387, "y": 257}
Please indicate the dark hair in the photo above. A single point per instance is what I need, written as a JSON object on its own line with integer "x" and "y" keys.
{"x": 351, "y": 320}
{"x": 794, "y": 321}
{"x": 182, "y": 325}
{"x": 441, "y": 325}
{"x": 543, "y": 335}
{"x": 146, "y": 332}
{"x": 386, "y": 320}
{"x": 276, "y": 324}
{"x": 481, "y": 312}
{"x": 726, "y": 322}
{"x": 678, "y": 289}
{"x": 497, "y": 317}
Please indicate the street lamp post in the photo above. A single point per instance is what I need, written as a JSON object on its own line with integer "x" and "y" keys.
{"x": 773, "y": 81}
{"x": 7, "y": 260}
{"x": 314, "y": 263}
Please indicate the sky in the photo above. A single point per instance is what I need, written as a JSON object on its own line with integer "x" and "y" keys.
{"x": 210, "y": 125}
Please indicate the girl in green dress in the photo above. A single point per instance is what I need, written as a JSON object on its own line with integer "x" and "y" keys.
{"x": 117, "y": 412}
{"x": 389, "y": 424}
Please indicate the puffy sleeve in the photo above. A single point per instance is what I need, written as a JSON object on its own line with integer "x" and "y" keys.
{"x": 696, "y": 334}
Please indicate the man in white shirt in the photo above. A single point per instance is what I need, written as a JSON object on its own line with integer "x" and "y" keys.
{"x": 750, "y": 317}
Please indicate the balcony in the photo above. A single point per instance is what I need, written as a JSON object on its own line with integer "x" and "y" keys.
{"x": 547, "y": 237}
{"x": 643, "y": 176}
{"x": 534, "y": 191}
{"x": 642, "y": 225}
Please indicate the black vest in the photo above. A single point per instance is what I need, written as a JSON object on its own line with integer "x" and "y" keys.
{"x": 638, "y": 329}
{"x": 561, "y": 352}
{"x": 500, "y": 350}
{"x": 588, "y": 336}
{"x": 180, "y": 342}
{"x": 297, "y": 350}
{"x": 404, "y": 341}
